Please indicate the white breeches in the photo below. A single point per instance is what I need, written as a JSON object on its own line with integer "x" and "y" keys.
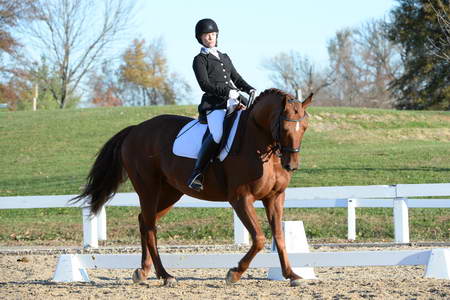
{"x": 215, "y": 119}
{"x": 215, "y": 123}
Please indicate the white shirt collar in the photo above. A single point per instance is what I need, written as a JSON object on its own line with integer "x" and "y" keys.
{"x": 213, "y": 51}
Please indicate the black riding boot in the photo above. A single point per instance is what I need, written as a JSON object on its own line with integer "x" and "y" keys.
{"x": 209, "y": 148}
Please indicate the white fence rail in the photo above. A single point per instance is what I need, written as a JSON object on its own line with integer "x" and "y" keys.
{"x": 399, "y": 197}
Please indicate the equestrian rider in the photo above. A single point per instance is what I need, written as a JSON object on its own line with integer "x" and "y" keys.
{"x": 221, "y": 83}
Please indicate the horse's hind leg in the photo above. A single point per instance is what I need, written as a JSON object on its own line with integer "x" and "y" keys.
{"x": 140, "y": 275}
{"x": 156, "y": 200}
{"x": 245, "y": 210}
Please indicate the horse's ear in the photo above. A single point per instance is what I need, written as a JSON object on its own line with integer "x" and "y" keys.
{"x": 308, "y": 101}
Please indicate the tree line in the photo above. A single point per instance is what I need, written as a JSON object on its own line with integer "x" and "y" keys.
{"x": 399, "y": 62}
{"x": 69, "y": 55}
{"x": 402, "y": 62}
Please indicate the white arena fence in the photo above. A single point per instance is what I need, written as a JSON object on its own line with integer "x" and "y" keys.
{"x": 73, "y": 267}
{"x": 400, "y": 197}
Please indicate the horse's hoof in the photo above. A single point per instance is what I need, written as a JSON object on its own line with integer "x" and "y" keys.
{"x": 296, "y": 282}
{"x": 170, "y": 282}
{"x": 138, "y": 276}
{"x": 232, "y": 277}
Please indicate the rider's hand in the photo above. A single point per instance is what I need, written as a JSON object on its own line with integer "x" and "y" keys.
{"x": 234, "y": 94}
{"x": 252, "y": 92}
{"x": 241, "y": 106}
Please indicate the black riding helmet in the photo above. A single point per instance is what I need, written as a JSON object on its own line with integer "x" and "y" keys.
{"x": 205, "y": 26}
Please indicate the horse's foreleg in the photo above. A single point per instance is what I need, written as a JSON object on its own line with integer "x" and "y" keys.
{"x": 246, "y": 212}
{"x": 274, "y": 210}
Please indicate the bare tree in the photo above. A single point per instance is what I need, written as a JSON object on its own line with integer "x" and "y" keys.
{"x": 75, "y": 35}
{"x": 292, "y": 71}
{"x": 342, "y": 60}
{"x": 365, "y": 62}
{"x": 441, "y": 48}
{"x": 380, "y": 63}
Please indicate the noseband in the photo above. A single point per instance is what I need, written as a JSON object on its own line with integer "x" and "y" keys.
{"x": 282, "y": 118}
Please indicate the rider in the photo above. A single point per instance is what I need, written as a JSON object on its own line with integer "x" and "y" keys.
{"x": 221, "y": 83}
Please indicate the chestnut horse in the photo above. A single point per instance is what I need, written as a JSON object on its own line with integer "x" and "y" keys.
{"x": 269, "y": 152}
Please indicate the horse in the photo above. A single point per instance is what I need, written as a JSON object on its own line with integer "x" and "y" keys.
{"x": 269, "y": 142}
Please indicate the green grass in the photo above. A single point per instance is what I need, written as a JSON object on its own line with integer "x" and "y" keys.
{"x": 50, "y": 152}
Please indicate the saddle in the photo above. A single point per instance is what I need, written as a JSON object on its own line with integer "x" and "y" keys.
{"x": 227, "y": 125}
{"x": 191, "y": 136}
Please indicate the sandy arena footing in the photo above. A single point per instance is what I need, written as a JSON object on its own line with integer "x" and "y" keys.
{"x": 27, "y": 273}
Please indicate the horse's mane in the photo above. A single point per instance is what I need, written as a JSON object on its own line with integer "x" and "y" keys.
{"x": 272, "y": 91}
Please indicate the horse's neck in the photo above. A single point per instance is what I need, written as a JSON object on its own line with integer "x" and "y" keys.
{"x": 262, "y": 119}
{"x": 259, "y": 145}
{"x": 259, "y": 132}
{"x": 261, "y": 140}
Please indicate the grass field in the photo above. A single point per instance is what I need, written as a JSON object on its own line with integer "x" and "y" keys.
{"x": 50, "y": 152}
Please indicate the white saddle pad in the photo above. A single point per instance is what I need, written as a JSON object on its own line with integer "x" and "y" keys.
{"x": 189, "y": 139}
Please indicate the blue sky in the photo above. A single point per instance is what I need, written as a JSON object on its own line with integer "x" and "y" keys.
{"x": 251, "y": 31}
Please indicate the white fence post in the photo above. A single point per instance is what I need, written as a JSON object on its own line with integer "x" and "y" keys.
{"x": 401, "y": 226}
{"x": 241, "y": 235}
{"x": 351, "y": 219}
{"x": 90, "y": 232}
{"x": 101, "y": 224}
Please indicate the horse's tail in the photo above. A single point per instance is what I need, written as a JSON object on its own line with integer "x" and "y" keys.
{"x": 106, "y": 174}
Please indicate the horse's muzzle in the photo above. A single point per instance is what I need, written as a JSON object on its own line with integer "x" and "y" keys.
{"x": 289, "y": 168}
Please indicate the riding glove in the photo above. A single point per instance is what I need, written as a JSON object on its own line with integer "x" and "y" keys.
{"x": 234, "y": 94}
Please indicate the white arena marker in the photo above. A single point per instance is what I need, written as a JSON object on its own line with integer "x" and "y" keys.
{"x": 69, "y": 269}
{"x": 439, "y": 264}
{"x": 295, "y": 239}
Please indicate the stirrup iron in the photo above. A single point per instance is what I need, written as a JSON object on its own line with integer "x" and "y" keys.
{"x": 197, "y": 182}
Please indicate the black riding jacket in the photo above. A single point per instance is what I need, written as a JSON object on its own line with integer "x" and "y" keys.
{"x": 213, "y": 76}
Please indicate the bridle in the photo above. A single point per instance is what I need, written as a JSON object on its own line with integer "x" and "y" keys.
{"x": 282, "y": 118}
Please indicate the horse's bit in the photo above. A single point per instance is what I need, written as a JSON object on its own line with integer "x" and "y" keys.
{"x": 283, "y": 118}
